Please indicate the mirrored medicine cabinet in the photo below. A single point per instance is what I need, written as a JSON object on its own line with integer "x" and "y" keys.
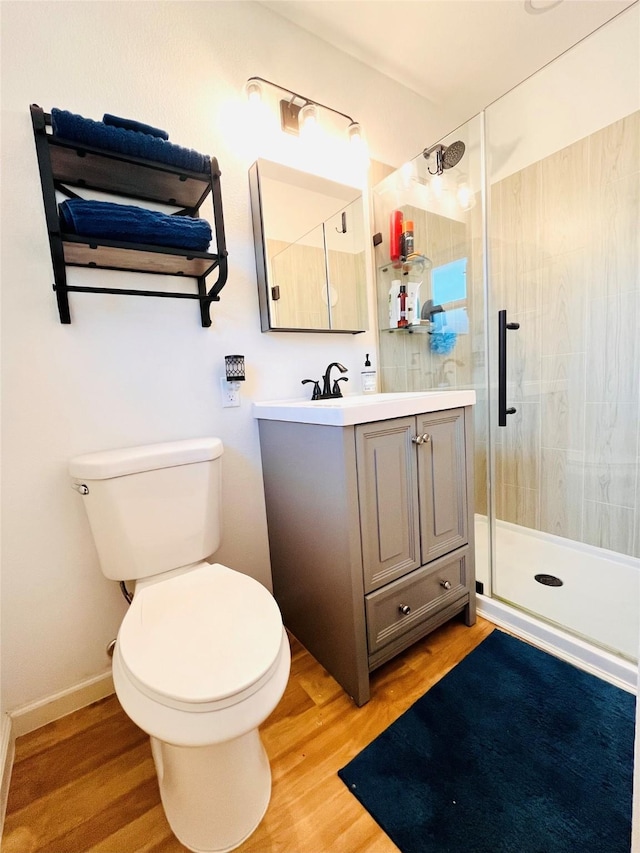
{"x": 309, "y": 238}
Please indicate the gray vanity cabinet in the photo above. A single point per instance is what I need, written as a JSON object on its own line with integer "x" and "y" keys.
{"x": 369, "y": 533}
{"x": 413, "y": 492}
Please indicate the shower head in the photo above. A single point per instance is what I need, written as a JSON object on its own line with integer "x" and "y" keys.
{"x": 452, "y": 154}
{"x": 447, "y": 156}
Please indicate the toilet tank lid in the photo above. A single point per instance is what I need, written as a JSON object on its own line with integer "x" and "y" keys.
{"x": 133, "y": 460}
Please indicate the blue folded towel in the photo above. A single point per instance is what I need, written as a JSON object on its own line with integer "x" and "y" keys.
{"x": 76, "y": 128}
{"x": 130, "y": 124}
{"x": 130, "y": 224}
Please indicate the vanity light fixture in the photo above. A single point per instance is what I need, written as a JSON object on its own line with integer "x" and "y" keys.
{"x": 298, "y": 112}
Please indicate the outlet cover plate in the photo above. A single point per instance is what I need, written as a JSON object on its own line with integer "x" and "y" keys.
{"x": 230, "y": 393}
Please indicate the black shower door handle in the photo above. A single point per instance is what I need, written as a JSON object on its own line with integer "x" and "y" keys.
{"x": 503, "y": 326}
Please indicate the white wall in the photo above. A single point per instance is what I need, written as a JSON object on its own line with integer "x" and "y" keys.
{"x": 131, "y": 370}
{"x": 569, "y": 99}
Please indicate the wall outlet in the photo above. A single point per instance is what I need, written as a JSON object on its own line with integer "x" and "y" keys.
{"x": 230, "y": 393}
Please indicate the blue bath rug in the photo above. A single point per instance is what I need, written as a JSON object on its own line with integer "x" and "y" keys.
{"x": 514, "y": 751}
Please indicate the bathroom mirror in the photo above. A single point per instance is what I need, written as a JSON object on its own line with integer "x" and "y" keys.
{"x": 310, "y": 251}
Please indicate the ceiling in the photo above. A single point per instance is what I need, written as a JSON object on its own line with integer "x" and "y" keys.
{"x": 459, "y": 54}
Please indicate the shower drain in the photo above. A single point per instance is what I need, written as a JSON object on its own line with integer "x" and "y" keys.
{"x": 549, "y": 580}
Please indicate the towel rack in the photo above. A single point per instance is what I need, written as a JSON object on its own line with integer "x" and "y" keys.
{"x": 64, "y": 164}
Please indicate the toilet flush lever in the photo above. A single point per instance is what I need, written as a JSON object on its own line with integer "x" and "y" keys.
{"x": 80, "y": 487}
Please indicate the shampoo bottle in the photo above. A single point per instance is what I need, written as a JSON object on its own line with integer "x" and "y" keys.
{"x": 369, "y": 378}
{"x": 402, "y": 298}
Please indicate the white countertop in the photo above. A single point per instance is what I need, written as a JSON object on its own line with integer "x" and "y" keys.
{"x": 362, "y": 408}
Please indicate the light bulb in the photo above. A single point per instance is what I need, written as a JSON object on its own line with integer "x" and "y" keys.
{"x": 437, "y": 185}
{"x": 354, "y": 132}
{"x": 253, "y": 91}
{"x": 406, "y": 174}
{"x": 308, "y": 117}
{"x": 465, "y": 197}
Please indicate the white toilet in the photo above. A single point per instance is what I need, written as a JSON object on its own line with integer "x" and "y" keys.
{"x": 202, "y": 657}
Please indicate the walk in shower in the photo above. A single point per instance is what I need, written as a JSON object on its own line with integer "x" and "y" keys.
{"x": 524, "y": 285}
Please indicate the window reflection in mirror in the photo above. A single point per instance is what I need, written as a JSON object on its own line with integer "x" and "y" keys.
{"x": 310, "y": 251}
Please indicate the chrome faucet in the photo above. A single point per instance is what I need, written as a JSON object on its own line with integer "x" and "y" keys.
{"x": 327, "y": 389}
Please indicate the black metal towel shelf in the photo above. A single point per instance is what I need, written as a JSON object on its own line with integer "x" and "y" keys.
{"x": 64, "y": 163}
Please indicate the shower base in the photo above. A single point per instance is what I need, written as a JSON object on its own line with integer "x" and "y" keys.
{"x": 591, "y": 619}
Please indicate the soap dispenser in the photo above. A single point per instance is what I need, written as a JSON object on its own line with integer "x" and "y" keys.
{"x": 369, "y": 377}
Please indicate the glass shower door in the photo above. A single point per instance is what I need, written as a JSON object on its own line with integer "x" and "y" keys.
{"x": 563, "y": 249}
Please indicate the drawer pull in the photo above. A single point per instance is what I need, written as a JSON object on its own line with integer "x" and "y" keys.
{"x": 404, "y": 609}
{"x": 421, "y": 439}
{"x": 445, "y": 584}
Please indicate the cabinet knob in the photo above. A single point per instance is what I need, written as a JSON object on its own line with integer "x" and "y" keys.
{"x": 445, "y": 584}
{"x": 404, "y": 609}
{"x": 421, "y": 439}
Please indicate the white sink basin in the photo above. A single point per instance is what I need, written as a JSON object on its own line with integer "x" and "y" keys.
{"x": 362, "y": 408}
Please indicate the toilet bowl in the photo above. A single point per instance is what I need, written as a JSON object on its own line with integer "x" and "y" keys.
{"x": 202, "y": 657}
{"x": 201, "y": 660}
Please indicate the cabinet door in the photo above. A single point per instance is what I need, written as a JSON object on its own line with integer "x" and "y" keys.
{"x": 388, "y": 494}
{"x": 442, "y": 483}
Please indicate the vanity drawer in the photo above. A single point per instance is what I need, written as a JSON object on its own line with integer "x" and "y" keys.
{"x": 403, "y": 604}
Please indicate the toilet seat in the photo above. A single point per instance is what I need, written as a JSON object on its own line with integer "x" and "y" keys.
{"x": 202, "y": 640}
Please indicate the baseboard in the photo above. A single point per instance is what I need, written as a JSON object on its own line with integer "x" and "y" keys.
{"x": 30, "y": 717}
{"x": 7, "y": 751}
{"x": 604, "y": 665}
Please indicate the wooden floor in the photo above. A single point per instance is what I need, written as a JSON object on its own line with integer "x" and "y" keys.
{"x": 87, "y": 784}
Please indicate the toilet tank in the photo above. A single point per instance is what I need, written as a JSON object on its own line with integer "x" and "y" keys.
{"x": 152, "y": 508}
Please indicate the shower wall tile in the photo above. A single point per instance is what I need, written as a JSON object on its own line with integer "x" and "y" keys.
{"x": 615, "y": 213}
{"x": 615, "y": 151}
{"x": 497, "y": 292}
{"x": 563, "y": 305}
{"x": 420, "y": 361}
{"x": 519, "y": 506}
{"x": 611, "y": 439}
{"x": 524, "y": 362}
{"x": 564, "y": 195}
{"x": 608, "y": 526}
{"x": 393, "y": 379}
{"x": 563, "y": 398}
{"x": 415, "y": 380}
{"x": 561, "y": 492}
{"x": 525, "y": 291}
{"x": 516, "y": 226}
{"x": 521, "y": 453}
{"x": 613, "y": 350}
{"x": 392, "y": 351}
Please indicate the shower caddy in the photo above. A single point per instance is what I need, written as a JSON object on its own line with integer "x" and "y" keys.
{"x": 63, "y": 163}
